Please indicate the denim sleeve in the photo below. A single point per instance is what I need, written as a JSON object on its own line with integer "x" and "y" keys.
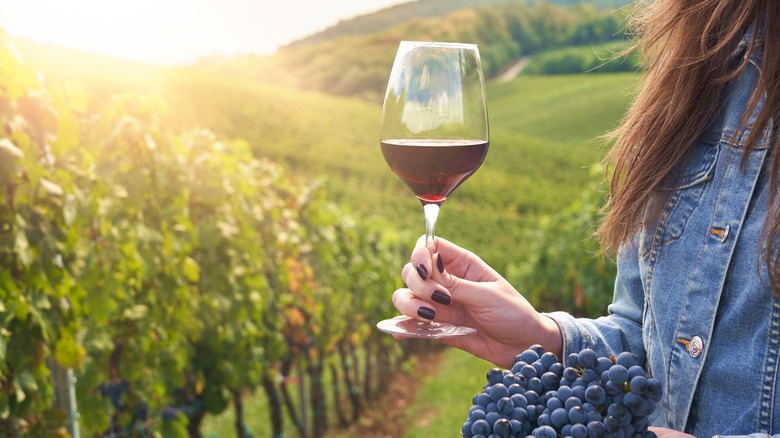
{"x": 621, "y": 329}
{"x": 752, "y": 435}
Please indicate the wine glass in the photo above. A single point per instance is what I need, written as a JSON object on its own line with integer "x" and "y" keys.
{"x": 434, "y": 135}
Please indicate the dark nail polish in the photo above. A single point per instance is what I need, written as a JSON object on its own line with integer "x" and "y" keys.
{"x": 441, "y": 298}
{"x": 439, "y": 263}
{"x": 422, "y": 271}
{"x": 426, "y": 312}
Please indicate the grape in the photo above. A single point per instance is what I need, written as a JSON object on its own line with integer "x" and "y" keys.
{"x": 495, "y": 375}
{"x": 465, "y": 430}
{"x": 545, "y": 432}
{"x": 550, "y": 381}
{"x": 639, "y": 385}
{"x": 492, "y": 417}
{"x": 508, "y": 380}
{"x": 573, "y": 360}
{"x": 603, "y": 363}
{"x": 570, "y": 373}
{"x": 528, "y": 356}
{"x": 590, "y": 397}
{"x": 515, "y": 389}
{"x": 587, "y": 358}
{"x": 505, "y": 406}
{"x": 498, "y": 391}
{"x": 557, "y": 369}
{"x": 519, "y": 400}
{"x": 502, "y": 427}
{"x": 535, "y": 384}
{"x": 480, "y": 427}
{"x": 618, "y": 374}
{"x": 577, "y": 415}
{"x": 528, "y": 371}
{"x": 548, "y": 359}
{"x": 572, "y": 402}
{"x": 627, "y": 359}
{"x": 611, "y": 424}
{"x": 476, "y": 413}
{"x": 559, "y": 417}
{"x": 596, "y": 429}
{"x": 517, "y": 426}
{"x": 554, "y": 403}
{"x": 579, "y": 431}
{"x": 564, "y": 393}
{"x": 540, "y": 369}
{"x": 520, "y": 414}
{"x": 589, "y": 375}
{"x": 595, "y": 394}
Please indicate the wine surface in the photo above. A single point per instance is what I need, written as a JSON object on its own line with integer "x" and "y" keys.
{"x": 434, "y": 168}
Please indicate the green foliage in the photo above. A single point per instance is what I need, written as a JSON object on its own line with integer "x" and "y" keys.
{"x": 562, "y": 268}
{"x": 602, "y": 58}
{"x": 405, "y": 12}
{"x": 173, "y": 262}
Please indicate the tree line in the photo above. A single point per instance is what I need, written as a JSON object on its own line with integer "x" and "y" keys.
{"x": 358, "y": 65}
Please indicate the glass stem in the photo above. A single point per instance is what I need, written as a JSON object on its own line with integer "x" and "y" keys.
{"x": 431, "y": 214}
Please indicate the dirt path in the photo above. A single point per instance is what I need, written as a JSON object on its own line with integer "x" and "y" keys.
{"x": 385, "y": 417}
{"x": 513, "y": 70}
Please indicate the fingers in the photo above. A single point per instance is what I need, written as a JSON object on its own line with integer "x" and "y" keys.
{"x": 447, "y": 257}
{"x": 408, "y": 304}
{"x": 425, "y": 287}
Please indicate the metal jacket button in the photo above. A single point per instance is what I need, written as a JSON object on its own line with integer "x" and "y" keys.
{"x": 694, "y": 346}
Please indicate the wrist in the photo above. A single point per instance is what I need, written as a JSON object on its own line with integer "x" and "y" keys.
{"x": 550, "y": 336}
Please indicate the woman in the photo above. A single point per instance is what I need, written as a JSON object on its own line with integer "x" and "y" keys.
{"x": 694, "y": 218}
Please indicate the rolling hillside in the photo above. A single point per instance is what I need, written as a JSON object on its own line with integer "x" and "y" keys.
{"x": 405, "y": 12}
{"x": 543, "y": 131}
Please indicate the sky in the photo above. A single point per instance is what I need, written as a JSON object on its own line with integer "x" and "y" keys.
{"x": 176, "y": 31}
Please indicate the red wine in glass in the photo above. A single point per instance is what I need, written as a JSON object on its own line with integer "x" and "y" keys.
{"x": 433, "y": 168}
{"x": 434, "y": 135}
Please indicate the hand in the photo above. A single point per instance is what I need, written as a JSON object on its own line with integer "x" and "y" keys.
{"x": 662, "y": 432}
{"x": 506, "y": 322}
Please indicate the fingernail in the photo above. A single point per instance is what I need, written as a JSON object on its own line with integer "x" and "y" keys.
{"x": 439, "y": 263}
{"x": 422, "y": 271}
{"x": 441, "y": 298}
{"x": 426, "y": 312}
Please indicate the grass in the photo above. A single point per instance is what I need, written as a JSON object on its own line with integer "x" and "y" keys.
{"x": 443, "y": 399}
{"x": 440, "y": 406}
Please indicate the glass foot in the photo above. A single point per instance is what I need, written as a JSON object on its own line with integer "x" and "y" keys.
{"x": 414, "y": 328}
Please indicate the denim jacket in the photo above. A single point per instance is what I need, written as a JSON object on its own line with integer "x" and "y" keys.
{"x": 692, "y": 296}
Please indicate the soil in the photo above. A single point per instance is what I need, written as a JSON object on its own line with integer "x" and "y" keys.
{"x": 385, "y": 418}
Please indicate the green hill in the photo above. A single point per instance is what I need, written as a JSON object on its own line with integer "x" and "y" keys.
{"x": 405, "y": 12}
{"x": 357, "y": 63}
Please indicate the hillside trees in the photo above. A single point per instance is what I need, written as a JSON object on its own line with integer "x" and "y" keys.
{"x": 358, "y": 65}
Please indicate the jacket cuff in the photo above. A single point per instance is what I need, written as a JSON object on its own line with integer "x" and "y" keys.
{"x": 575, "y": 336}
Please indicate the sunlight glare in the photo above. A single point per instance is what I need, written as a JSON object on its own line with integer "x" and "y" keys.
{"x": 167, "y": 32}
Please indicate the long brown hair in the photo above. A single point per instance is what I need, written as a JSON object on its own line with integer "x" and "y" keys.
{"x": 688, "y": 47}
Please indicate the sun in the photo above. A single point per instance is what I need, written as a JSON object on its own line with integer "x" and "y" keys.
{"x": 148, "y": 30}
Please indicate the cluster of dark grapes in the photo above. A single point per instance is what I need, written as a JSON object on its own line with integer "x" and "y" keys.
{"x": 590, "y": 396}
{"x": 113, "y": 391}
